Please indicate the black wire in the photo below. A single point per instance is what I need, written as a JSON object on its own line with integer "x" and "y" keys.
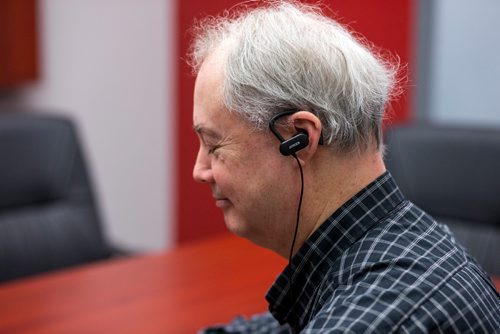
{"x": 296, "y": 226}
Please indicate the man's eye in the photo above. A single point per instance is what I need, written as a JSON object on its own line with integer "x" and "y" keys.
{"x": 212, "y": 149}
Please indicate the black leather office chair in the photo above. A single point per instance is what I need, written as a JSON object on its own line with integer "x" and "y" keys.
{"x": 453, "y": 173}
{"x": 48, "y": 218}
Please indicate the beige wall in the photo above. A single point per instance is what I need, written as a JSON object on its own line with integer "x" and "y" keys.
{"x": 106, "y": 63}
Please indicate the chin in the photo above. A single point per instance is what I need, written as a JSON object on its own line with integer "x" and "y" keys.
{"x": 241, "y": 228}
{"x": 235, "y": 227}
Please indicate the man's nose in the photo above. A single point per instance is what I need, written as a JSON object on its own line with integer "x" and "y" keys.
{"x": 202, "y": 171}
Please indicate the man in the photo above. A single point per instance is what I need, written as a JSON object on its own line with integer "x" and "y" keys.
{"x": 288, "y": 108}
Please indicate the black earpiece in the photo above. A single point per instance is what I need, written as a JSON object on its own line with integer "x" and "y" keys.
{"x": 294, "y": 144}
{"x": 288, "y": 147}
{"x": 291, "y": 145}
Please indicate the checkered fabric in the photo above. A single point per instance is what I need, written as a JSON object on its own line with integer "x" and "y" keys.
{"x": 379, "y": 264}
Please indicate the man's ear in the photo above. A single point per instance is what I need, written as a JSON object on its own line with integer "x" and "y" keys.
{"x": 305, "y": 121}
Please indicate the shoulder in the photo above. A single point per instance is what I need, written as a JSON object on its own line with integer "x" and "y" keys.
{"x": 407, "y": 272}
{"x": 384, "y": 304}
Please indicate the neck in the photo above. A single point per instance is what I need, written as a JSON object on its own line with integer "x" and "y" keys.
{"x": 330, "y": 182}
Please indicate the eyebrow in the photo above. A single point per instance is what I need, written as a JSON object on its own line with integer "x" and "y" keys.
{"x": 206, "y": 132}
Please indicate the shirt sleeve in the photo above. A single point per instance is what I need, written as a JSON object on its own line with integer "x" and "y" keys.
{"x": 258, "y": 324}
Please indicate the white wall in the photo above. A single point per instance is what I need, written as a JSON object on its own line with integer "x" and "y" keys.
{"x": 464, "y": 71}
{"x": 107, "y": 64}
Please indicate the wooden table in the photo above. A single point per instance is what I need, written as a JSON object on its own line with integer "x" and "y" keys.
{"x": 177, "y": 292}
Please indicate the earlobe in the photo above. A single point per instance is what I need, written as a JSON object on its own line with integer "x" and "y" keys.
{"x": 307, "y": 153}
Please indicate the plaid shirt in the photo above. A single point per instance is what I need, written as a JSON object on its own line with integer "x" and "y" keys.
{"x": 379, "y": 264}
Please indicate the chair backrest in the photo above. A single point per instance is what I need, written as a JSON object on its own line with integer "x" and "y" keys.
{"x": 48, "y": 218}
{"x": 453, "y": 173}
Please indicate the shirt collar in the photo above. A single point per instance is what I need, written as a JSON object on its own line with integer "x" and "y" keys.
{"x": 316, "y": 257}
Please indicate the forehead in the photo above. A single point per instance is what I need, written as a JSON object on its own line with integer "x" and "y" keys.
{"x": 216, "y": 122}
{"x": 208, "y": 88}
{"x": 209, "y": 111}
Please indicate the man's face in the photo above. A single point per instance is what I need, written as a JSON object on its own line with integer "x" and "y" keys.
{"x": 251, "y": 182}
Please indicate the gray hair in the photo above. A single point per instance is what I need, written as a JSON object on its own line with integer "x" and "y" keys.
{"x": 288, "y": 55}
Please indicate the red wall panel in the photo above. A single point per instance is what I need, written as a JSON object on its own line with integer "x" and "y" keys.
{"x": 18, "y": 42}
{"x": 386, "y": 23}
